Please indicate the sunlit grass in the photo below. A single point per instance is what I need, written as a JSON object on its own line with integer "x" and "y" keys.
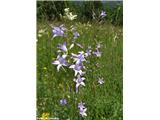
{"x": 103, "y": 102}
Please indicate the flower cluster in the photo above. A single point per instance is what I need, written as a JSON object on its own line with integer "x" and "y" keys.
{"x": 66, "y": 59}
{"x": 82, "y": 109}
{"x": 69, "y": 15}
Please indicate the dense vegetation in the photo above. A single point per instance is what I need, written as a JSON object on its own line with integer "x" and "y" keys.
{"x": 56, "y": 94}
{"x": 51, "y": 10}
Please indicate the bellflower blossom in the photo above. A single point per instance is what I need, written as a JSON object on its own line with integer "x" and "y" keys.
{"x": 88, "y": 52}
{"x": 83, "y": 112}
{"x": 77, "y": 68}
{"x": 60, "y": 62}
{"x": 101, "y": 81}
{"x": 79, "y": 81}
{"x": 81, "y": 105}
{"x": 78, "y": 58}
{"x": 103, "y": 14}
{"x": 76, "y": 35}
{"x": 97, "y": 53}
{"x": 82, "y": 109}
{"x": 63, "y": 101}
{"x": 63, "y": 47}
{"x": 58, "y": 31}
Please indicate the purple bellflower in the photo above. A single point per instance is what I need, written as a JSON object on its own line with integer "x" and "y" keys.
{"x": 63, "y": 47}
{"x": 78, "y": 58}
{"x": 82, "y": 109}
{"x": 60, "y": 62}
{"x": 83, "y": 112}
{"x": 76, "y": 35}
{"x": 79, "y": 81}
{"x": 88, "y": 52}
{"x": 63, "y": 101}
{"x": 103, "y": 14}
{"x": 58, "y": 31}
{"x": 81, "y": 105}
{"x": 97, "y": 53}
{"x": 77, "y": 68}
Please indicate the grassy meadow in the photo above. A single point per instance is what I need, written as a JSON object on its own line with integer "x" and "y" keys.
{"x": 103, "y": 102}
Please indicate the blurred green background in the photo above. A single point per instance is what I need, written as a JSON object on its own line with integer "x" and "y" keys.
{"x": 51, "y": 10}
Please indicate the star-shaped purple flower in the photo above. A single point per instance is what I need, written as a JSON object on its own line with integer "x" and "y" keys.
{"x": 82, "y": 112}
{"x": 103, "y": 14}
{"x": 77, "y": 68}
{"x": 76, "y": 35}
{"x": 88, "y": 52}
{"x": 81, "y": 105}
{"x": 82, "y": 109}
{"x": 97, "y": 53}
{"x": 58, "y": 31}
{"x": 63, "y": 47}
{"x": 60, "y": 62}
{"x": 78, "y": 58}
{"x": 63, "y": 101}
{"x": 79, "y": 81}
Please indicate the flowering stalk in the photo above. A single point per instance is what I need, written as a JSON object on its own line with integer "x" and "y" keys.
{"x": 68, "y": 60}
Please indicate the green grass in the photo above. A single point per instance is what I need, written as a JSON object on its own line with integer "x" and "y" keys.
{"x": 103, "y": 102}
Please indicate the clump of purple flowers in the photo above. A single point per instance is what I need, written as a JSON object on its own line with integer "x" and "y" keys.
{"x": 82, "y": 109}
{"x": 76, "y": 61}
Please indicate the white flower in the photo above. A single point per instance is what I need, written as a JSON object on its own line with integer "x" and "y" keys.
{"x": 69, "y": 15}
{"x": 100, "y": 81}
{"x": 66, "y": 9}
